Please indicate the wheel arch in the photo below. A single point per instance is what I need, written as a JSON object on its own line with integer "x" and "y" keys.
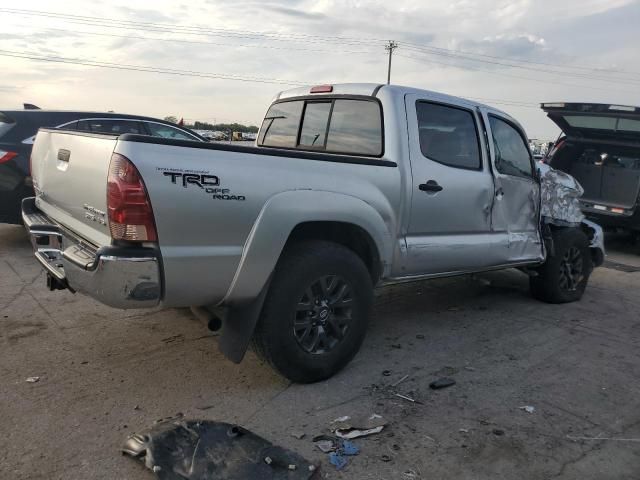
{"x": 309, "y": 214}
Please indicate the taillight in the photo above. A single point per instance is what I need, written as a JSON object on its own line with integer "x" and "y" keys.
{"x": 130, "y": 214}
{"x": 6, "y": 156}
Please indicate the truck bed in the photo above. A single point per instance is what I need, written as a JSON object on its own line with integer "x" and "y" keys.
{"x": 206, "y": 198}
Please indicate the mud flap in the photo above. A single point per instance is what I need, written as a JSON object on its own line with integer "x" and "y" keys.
{"x": 238, "y": 323}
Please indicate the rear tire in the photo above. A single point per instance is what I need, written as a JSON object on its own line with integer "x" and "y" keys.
{"x": 315, "y": 315}
{"x": 564, "y": 276}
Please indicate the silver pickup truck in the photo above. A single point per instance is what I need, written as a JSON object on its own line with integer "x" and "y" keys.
{"x": 348, "y": 187}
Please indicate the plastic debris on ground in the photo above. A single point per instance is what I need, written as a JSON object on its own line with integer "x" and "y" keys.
{"x": 442, "y": 383}
{"x": 32, "y": 379}
{"x": 350, "y": 428}
{"x": 337, "y": 448}
{"x": 560, "y": 194}
{"x": 199, "y": 450}
{"x": 528, "y": 408}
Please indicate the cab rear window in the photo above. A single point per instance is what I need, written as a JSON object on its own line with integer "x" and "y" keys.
{"x": 346, "y": 126}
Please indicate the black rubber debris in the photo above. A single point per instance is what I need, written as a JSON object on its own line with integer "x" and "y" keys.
{"x": 622, "y": 267}
{"x": 442, "y": 383}
{"x": 199, "y": 450}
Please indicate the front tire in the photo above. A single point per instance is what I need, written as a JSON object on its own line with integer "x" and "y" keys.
{"x": 564, "y": 276}
{"x": 315, "y": 315}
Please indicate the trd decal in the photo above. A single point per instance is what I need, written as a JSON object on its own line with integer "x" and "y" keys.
{"x": 200, "y": 180}
{"x": 205, "y": 181}
{"x": 223, "y": 194}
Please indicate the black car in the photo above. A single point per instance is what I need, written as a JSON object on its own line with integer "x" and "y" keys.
{"x": 17, "y": 133}
{"x": 600, "y": 148}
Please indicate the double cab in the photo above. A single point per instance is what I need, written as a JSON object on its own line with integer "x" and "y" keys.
{"x": 347, "y": 188}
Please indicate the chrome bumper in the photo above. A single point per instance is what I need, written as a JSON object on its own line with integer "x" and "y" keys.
{"x": 121, "y": 277}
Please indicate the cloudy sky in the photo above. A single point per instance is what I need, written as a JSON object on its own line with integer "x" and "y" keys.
{"x": 512, "y": 54}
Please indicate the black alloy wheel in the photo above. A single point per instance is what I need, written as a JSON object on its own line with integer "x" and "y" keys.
{"x": 323, "y": 314}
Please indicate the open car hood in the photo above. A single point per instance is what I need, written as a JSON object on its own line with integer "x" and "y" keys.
{"x": 596, "y": 121}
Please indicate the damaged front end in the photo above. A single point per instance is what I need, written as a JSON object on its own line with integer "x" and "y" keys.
{"x": 560, "y": 207}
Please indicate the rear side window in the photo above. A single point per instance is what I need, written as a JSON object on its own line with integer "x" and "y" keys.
{"x": 70, "y": 126}
{"x": 167, "y": 131}
{"x": 448, "y": 135}
{"x": 334, "y": 125}
{"x": 114, "y": 127}
{"x": 512, "y": 153}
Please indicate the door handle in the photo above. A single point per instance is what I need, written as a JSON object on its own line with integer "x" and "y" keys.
{"x": 430, "y": 186}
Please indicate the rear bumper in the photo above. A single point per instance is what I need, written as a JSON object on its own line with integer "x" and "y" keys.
{"x": 121, "y": 277}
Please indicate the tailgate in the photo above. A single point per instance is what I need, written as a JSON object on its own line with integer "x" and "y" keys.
{"x": 69, "y": 171}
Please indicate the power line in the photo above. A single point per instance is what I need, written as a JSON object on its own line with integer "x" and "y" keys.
{"x": 188, "y": 73}
{"x": 190, "y": 30}
{"x": 201, "y": 42}
{"x": 427, "y": 51}
{"x": 532, "y": 62}
{"x": 143, "y": 68}
{"x": 308, "y": 38}
{"x": 477, "y": 69}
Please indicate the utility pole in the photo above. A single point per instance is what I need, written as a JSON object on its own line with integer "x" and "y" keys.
{"x": 390, "y": 47}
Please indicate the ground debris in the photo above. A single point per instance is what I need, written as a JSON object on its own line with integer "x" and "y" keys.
{"x": 32, "y": 379}
{"x": 346, "y": 427}
{"x": 442, "y": 383}
{"x": 528, "y": 408}
{"x": 337, "y": 448}
{"x": 199, "y": 450}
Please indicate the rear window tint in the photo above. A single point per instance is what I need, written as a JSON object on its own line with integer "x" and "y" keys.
{"x": 603, "y": 123}
{"x": 166, "y": 131}
{"x": 280, "y": 126}
{"x": 115, "y": 127}
{"x": 356, "y": 127}
{"x": 334, "y": 125}
{"x": 314, "y": 125}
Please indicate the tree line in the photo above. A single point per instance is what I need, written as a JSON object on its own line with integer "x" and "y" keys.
{"x": 224, "y": 127}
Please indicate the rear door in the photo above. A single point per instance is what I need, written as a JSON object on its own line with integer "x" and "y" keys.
{"x": 516, "y": 212}
{"x": 452, "y": 192}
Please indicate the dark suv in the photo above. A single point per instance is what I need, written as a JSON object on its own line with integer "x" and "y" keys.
{"x": 17, "y": 133}
{"x": 600, "y": 148}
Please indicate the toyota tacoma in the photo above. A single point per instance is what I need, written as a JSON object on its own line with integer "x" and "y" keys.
{"x": 347, "y": 188}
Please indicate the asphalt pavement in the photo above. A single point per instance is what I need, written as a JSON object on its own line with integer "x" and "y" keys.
{"x": 104, "y": 374}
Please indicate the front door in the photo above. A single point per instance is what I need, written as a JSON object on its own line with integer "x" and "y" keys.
{"x": 516, "y": 212}
{"x": 452, "y": 188}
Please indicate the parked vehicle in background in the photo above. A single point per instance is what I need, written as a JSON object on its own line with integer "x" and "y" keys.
{"x": 17, "y": 133}
{"x": 350, "y": 186}
{"x": 600, "y": 148}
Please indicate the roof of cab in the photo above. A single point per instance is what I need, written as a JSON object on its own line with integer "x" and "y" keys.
{"x": 373, "y": 89}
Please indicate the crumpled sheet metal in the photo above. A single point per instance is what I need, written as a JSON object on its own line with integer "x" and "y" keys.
{"x": 597, "y": 238}
{"x": 560, "y": 194}
{"x": 199, "y": 450}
